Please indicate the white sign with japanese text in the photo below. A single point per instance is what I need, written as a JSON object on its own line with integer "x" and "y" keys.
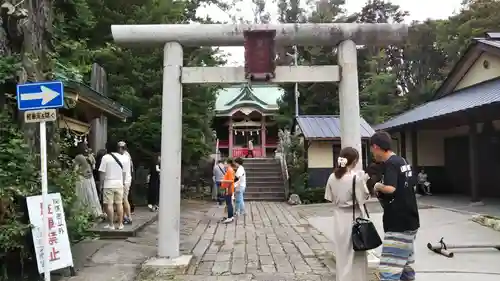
{"x": 37, "y": 116}
{"x": 60, "y": 250}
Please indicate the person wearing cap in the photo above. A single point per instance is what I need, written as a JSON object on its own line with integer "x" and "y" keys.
{"x": 128, "y": 169}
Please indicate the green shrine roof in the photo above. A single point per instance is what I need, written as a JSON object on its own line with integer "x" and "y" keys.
{"x": 264, "y": 97}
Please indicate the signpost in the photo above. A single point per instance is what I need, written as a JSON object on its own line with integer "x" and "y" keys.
{"x": 60, "y": 250}
{"x": 37, "y": 100}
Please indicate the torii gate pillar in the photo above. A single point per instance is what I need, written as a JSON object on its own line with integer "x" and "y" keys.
{"x": 350, "y": 116}
{"x": 345, "y": 36}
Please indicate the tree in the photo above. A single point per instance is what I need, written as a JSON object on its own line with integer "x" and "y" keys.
{"x": 317, "y": 98}
{"x": 474, "y": 19}
{"x": 135, "y": 78}
{"x": 30, "y": 52}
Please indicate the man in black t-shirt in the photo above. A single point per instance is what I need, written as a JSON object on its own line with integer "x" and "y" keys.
{"x": 401, "y": 219}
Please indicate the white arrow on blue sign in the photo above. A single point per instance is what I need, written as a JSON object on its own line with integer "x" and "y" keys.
{"x": 40, "y": 95}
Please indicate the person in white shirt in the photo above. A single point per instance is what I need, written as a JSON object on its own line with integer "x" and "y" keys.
{"x": 239, "y": 186}
{"x": 250, "y": 149}
{"x": 424, "y": 184}
{"x": 128, "y": 168}
{"x": 112, "y": 175}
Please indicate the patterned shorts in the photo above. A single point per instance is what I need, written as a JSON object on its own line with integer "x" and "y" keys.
{"x": 398, "y": 256}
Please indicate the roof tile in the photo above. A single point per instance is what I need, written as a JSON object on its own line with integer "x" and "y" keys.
{"x": 327, "y": 127}
{"x": 467, "y": 98}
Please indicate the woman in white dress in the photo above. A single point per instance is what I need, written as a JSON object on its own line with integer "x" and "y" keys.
{"x": 86, "y": 190}
{"x": 350, "y": 265}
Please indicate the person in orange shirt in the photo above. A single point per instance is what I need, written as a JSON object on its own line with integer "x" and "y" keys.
{"x": 227, "y": 184}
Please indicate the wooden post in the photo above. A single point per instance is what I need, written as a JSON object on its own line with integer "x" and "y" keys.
{"x": 414, "y": 148}
{"x": 230, "y": 137}
{"x": 473, "y": 161}
{"x": 263, "y": 136}
{"x": 402, "y": 144}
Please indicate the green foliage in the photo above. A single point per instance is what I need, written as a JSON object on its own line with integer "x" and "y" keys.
{"x": 295, "y": 158}
{"x": 80, "y": 36}
{"x": 312, "y": 195}
{"x": 9, "y": 65}
{"x": 20, "y": 178}
{"x": 393, "y": 78}
{"x": 135, "y": 80}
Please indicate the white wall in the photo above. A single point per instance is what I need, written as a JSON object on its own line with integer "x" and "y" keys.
{"x": 431, "y": 143}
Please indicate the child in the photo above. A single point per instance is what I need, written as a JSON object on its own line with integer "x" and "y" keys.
{"x": 227, "y": 184}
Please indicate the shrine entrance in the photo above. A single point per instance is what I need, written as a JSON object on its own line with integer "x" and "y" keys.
{"x": 260, "y": 42}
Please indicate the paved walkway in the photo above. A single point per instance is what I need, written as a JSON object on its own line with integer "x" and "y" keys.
{"x": 275, "y": 241}
{"x": 270, "y": 243}
{"x": 490, "y": 206}
{"x": 436, "y": 222}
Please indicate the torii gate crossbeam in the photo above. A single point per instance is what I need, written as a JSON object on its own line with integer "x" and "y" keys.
{"x": 173, "y": 36}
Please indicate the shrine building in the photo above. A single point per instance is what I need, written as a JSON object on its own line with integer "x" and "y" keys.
{"x": 244, "y": 113}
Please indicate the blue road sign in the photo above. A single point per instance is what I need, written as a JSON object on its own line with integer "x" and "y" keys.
{"x": 40, "y": 95}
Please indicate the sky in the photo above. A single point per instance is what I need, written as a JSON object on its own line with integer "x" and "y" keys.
{"x": 419, "y": 10}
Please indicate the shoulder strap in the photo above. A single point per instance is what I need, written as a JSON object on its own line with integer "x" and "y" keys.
{"x": 116, "y": 159}
{"x": 354, "y": 201}
{"x": 221, "y": 169}
{"x": 88, "y": 161}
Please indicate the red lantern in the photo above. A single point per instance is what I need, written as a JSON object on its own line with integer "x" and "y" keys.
{"x": 259, "y": 55}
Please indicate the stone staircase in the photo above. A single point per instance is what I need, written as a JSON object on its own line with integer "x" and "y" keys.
{"x": 264, "y": 180}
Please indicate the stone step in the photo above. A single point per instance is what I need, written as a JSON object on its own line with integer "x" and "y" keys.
{"x": 263, "y": 178}
{"x": 268, "y": 182}
{"x": 267, "y": 163}
{"x": 262, "y": 169}
{"x": 142, "y": 218}
{"x": 263, "y": 173}
{"x": 260, "y": 160}
{"x": 261, "y": 195}
{"x": 267, "y": 199}
{"x": 257, "y": 182}
{"x": 264, "y": 189}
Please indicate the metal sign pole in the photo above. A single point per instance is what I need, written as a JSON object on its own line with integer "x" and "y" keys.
{"x": 45, "y": 200}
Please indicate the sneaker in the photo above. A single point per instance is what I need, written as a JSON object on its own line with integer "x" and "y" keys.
{"x": 120, "y": 227}
{"x": 127, "y": 221}
{"x": 109, "y": 226}
{"x": 150, "y": 207}
{"x": 228, "y": 220}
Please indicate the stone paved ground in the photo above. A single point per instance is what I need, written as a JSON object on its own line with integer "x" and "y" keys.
{"x": 270, "y": 239}
{"x": 272, "y": 242}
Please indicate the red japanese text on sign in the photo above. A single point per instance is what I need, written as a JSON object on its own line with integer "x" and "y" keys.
{"x": 54, "y": 254}
{"x": 51, "y": 223}
{"x": 53, "y": 238}
{"x": 49, "y": 209}
{"x": 58, "y": 252}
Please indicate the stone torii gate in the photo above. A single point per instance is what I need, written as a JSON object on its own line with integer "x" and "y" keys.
{"x": 344, "y": 36}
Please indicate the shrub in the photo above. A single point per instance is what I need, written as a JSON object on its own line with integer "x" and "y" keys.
{"x": 312, "y": 195}
{"x": 293, "y": 150}
{"x": 20, "y": 178}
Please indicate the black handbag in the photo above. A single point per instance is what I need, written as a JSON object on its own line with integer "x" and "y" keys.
{"x": 364, "y": 234}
